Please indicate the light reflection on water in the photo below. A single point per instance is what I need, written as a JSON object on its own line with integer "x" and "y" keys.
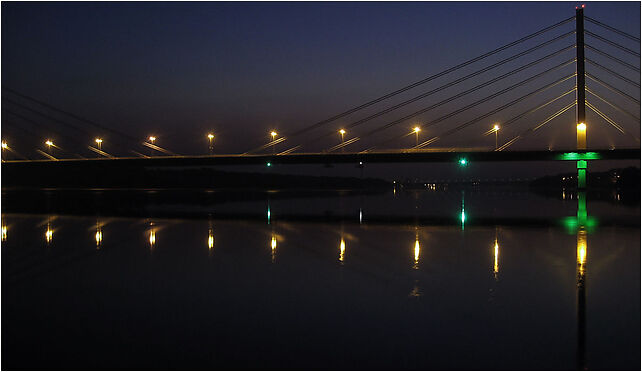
{"x": 237, "y": 306}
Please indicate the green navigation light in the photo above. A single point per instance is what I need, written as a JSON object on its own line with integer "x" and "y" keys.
{"x": 463, "y": 162}
{"x": 269, "y": 164}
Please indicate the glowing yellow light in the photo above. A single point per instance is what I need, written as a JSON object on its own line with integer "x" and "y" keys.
{"x": 417, "y": 129}
{"x": 99, "y": 236}
{"x": 4, "y": 145}
{"x": 496, "y": 265}
{"x": 496, "y": 127}
{"x": 342, "y": 250}
{"x": 49, "y": 234}
{"x": 417, "y": 251}
{"x": 4, "y": 233}
{"x": 49, "y": 143}
{"x": 152, "y": 238}
{"x": 581, "y": 252}
{"x": 273, "y": 246}
{"x": 342, "y": 131}
{"x": 99, "y": 140}
{"x": 152, "y": 139}
{"x": 210, "y": 239}
{"x": 581, "y": 126}
{"x": 273, "y": 134}
{"x": 210, "y": 136}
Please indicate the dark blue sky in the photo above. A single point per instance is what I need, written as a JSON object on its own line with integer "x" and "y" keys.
{"x": 178, "y": 70}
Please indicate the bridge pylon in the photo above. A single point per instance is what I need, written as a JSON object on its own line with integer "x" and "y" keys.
{"x": 581, "y": 126}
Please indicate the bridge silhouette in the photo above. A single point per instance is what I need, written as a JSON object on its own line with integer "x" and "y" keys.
{"x": 551, "y": 80}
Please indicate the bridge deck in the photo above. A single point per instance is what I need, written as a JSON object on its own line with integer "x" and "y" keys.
{"x": 336, "y": 158}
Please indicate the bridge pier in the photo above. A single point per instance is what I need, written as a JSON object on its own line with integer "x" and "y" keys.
{"x": 581, "y": 174}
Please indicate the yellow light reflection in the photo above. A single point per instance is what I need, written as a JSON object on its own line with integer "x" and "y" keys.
{"x": 4, "y": 232}
{"x": 342, "y": 250}
{"x": 273, "y": 246}
{"x": 99, "y": 236}
{"x": 417, "y": 251}
{"x": 152, "y": 236}
{"x": 49, "y": 233}
{"x": 496, "y": 265}
{"x": 581, "y": 252}
{"x": 210, "y": 239}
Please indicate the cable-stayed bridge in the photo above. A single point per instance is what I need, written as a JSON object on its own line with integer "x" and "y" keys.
{"x": 561, "y": 80}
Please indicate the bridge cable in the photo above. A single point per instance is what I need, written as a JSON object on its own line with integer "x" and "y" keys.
{"x": 87, "y": 121}
{"x": 508, "y": 122}
{"x": 426, "y": 94}
{"x": 447, "y": 71}
{"x": 611, "y": 121}
{"x": 623, "y": 63}
{"x": 449, "y": 99}
{"x": 38, "y": 137}
{"x": 624, "y": 78}
{"x": 33, "y": 134}
{"x": 525, "y": 113}
{"x": 613, "y": 105}
{"x": 532, "y": 129}
{"x": 476, "y": 103}
{"x": 612, "y": 88}
{"x": 49, "y": 117}
{"x": 470, "y": 122}
{"x": 613, "y": 29}
{"x": 612, "y": 43}
{"x": 430, "y": 78}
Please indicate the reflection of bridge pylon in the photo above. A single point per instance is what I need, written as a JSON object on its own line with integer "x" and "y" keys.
{"x": 582, "y": 253}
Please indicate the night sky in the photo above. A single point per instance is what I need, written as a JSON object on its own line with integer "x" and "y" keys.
{"x": 240, "y": 70}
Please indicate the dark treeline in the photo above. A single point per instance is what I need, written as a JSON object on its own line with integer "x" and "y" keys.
{"x": 616, "y": 184}
{"x": 61, "y": 175}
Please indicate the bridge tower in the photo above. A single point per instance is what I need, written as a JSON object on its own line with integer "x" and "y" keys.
{"x": 581, "y": 95}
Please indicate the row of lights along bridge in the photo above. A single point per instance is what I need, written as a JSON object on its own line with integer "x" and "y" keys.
{"x": 273, "y": 134}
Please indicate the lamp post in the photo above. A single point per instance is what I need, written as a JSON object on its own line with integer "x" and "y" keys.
{"x": 342, "y": 132}
{"x": 496, "y": 129}
{"x": 210, "y": 137}
{"x": 273, "y": 134}
{"x": 417, "y": 130}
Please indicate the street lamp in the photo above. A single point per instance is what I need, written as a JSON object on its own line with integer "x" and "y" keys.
{"x": 99, "y": 141}
{"x": 4, "y": 146}
{"x": 49, "y": 144}
{"x": 273, "y": 134}
{"x": 342, "y": 132}
{"x": 417, "y": 130}
{"x": 210, "y": 137}
{"x": 496, "y": 129}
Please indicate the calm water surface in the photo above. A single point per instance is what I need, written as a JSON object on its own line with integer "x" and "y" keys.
{"x": 403, "y": 280}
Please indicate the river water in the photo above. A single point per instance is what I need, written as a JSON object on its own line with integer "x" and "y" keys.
{"x": 426, "y": 279}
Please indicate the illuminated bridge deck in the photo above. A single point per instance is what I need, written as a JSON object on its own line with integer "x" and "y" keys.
{"x": 337, "y": 158}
